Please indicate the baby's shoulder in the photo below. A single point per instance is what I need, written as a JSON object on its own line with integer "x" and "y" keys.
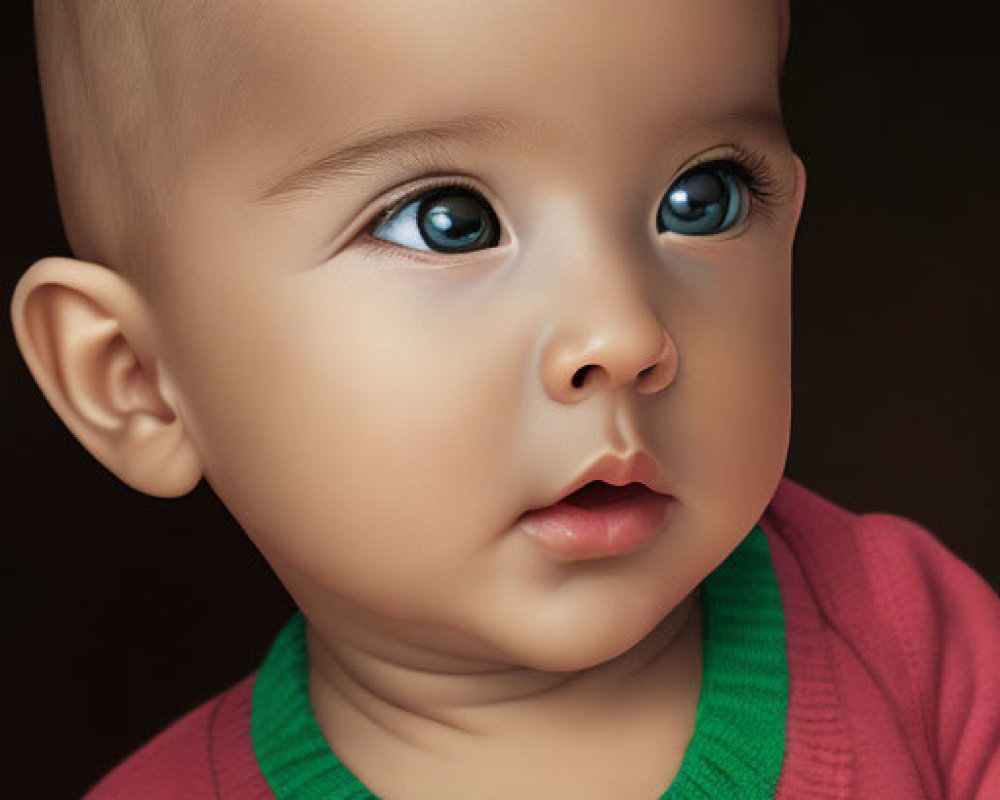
{"x": 178, "y": 763}
{"x": 912, "y": 619}
{"x": 860, "y": 567}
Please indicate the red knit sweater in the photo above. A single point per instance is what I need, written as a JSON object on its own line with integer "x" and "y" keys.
{"x": 892, "y": 644}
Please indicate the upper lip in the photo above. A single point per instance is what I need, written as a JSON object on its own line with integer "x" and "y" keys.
{"x": 639, "y": 467}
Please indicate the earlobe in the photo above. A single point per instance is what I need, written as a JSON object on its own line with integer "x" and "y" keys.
{"x": 87, "y": 339}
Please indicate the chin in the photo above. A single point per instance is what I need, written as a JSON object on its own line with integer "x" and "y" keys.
{"x": 570, "y": 648}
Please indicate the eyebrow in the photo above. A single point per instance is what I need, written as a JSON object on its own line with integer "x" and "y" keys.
{"x": 765, "y": 119}
{"x": 374, "y": 147}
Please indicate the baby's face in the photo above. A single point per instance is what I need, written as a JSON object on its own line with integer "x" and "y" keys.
{"x": 379, "y": 399}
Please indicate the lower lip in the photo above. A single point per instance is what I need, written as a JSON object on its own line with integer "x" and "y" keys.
{"x": 570, "y": 533}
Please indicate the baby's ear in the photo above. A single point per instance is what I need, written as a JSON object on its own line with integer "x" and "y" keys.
{"x": 87, "y": 338}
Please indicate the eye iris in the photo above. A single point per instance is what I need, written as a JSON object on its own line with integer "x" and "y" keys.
{"x": 706, "y": 200}
{"x": 456, "y": 220}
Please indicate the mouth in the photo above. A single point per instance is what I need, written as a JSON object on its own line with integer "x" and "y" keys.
{"x": 598, "y": 493}
{"x": 610, "y": 470}
{"x": 598, "y": 520}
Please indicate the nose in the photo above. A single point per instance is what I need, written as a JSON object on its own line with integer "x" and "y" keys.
{"x": 607, "y": 336}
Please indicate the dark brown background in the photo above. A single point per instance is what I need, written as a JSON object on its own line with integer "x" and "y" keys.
{"x": 123, "y": 611}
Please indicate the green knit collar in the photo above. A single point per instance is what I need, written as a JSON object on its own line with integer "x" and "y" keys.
{"x": 738, "y": 743}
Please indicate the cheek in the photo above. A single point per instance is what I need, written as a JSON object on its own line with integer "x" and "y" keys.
{"x": 731, "y": 428}
{"x": 348, "y": 432}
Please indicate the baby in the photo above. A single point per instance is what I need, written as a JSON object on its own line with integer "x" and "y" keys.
{"x": 476, "y": 316}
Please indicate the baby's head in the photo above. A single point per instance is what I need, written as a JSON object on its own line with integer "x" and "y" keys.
{"x": 390, "y": 275}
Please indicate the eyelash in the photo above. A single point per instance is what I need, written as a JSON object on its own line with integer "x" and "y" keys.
{"x": 751, "y": 167}
{"x": 754, "y": 169}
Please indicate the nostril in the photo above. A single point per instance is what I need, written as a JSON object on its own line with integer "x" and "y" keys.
{"x": 579, "y": 375}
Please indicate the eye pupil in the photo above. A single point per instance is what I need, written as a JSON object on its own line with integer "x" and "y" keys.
{"x": 454, "y": 220}
{"x": 705, "y": 200}
{"x": 701, "y": 194}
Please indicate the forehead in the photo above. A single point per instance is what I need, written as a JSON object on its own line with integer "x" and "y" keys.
{"x": 319, "y": 70}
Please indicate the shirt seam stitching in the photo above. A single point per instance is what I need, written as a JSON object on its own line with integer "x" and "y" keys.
{"x": 210, "y": 748}
{"x": 909, "y": 658}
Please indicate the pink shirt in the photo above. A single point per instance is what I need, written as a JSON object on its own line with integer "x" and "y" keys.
{"x": 892, "y": 643}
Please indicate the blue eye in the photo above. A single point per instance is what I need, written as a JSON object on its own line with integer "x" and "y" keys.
{"x": 710, "y": 198}
{"x": 448, "y": 219}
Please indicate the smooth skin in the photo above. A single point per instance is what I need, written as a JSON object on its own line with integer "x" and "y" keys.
{"x": 377, "y": 418}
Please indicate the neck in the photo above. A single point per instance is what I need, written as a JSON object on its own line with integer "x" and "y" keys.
{"x": 433, "y": 703}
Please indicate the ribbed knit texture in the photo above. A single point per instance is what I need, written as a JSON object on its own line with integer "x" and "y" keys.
{"x": 744, "y": 689}
{"x": 744, "y": 682}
